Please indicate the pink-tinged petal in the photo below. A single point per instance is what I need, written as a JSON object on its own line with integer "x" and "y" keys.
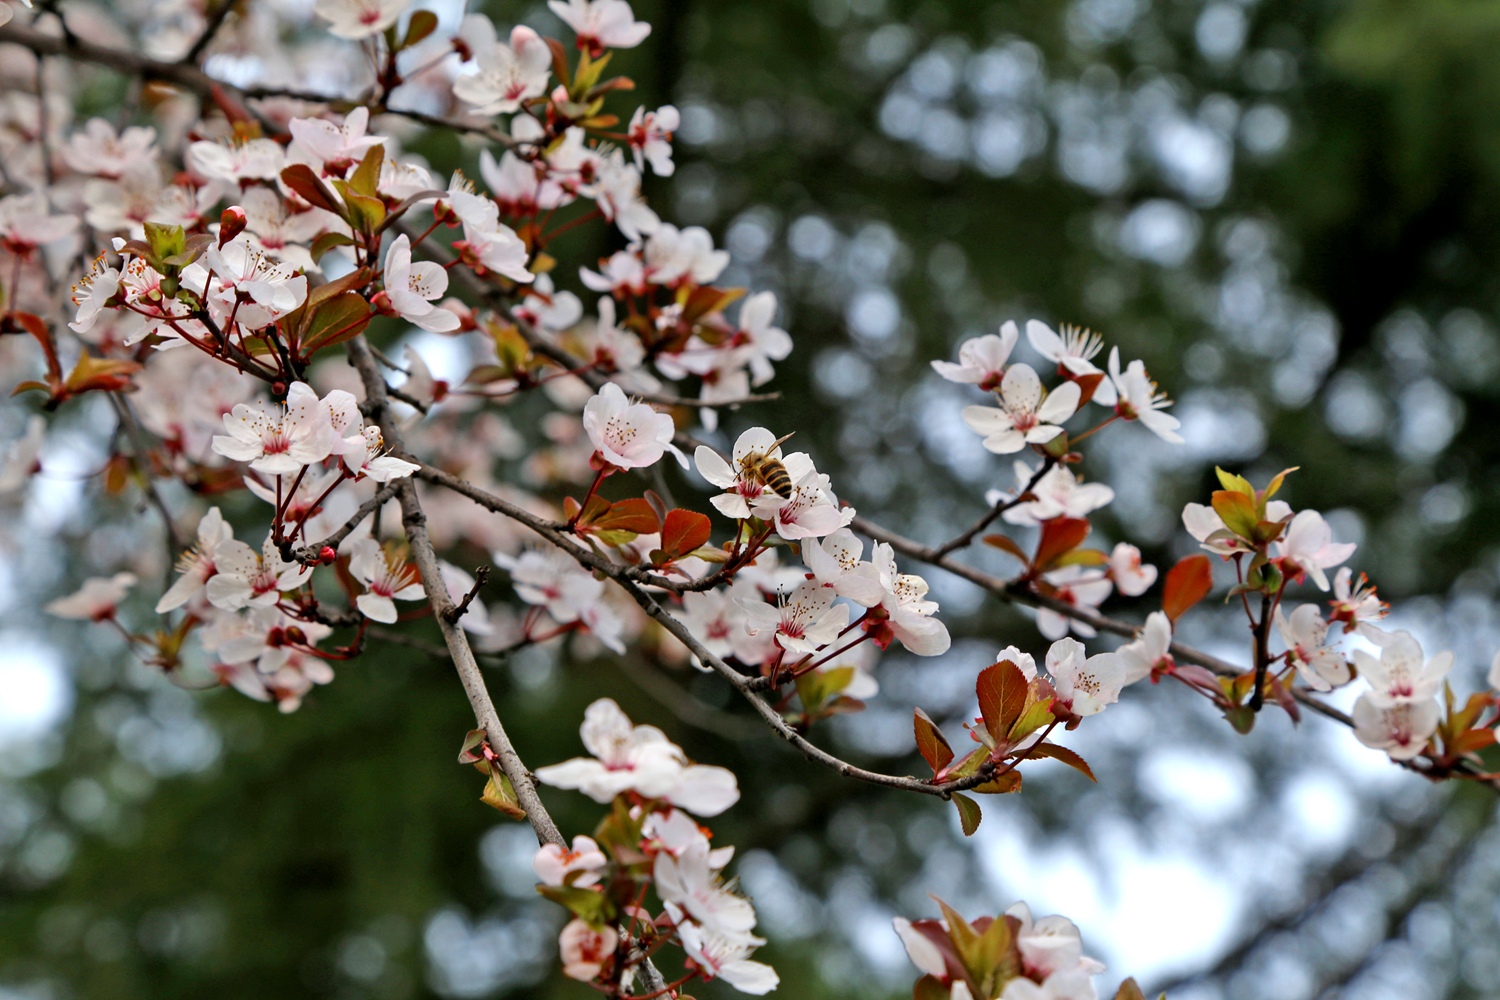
{"x": 987, "y": 420}
{"x": 704, "y": 790}
{"x": 376, "y": 608}
{"x": 1021, "y": 388}
{"x": 1005, "y": 443}
{"x": 1060, "y": 404}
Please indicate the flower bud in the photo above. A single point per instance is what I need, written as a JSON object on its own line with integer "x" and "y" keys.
{"x": 327, "y": 555}
{"x": 231, "y": 224}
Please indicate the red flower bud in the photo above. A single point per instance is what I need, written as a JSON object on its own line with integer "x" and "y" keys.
{"x": 231, "y": 224}
{"x": 327, "y": 555}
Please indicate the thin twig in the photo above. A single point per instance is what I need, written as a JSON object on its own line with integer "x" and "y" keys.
{"x": 964, "y": 539}
{"x": 210, "y": 29}
{"x": 481, "y": 575}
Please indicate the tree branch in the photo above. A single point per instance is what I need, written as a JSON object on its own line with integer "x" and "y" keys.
{"x": 415, "y": 522}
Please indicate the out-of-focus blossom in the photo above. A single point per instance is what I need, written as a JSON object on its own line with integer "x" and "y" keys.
{"x": 386, "y": 581}
{"x": 981, "y": 360}
{"x": 601, "y": 24}
{"x": 650, "y": 136}
{"x": 507, "y": 75}
{"x": 96, "y": 600}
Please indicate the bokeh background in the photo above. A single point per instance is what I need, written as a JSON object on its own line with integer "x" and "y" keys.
{"x": 1288, "y": 209}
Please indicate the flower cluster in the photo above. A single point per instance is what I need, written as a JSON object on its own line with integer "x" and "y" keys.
{"x": 649, "y": 840}
{"x": 1010, "y": 957}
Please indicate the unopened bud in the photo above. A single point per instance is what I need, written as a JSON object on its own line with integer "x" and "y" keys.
{"x": 231, "y": 224}
{"x": 295, "y": 634}
{"x": 327, "y": 555}
{"x": 278, "y": 388}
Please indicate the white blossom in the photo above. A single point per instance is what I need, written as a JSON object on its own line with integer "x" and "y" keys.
{"x": 1024, "y": 416}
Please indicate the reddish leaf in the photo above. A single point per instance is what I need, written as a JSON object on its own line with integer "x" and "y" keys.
{"x": 108, "y": 374}
{"x": 682, "y": 532}
{"x": 1059, "y": 535}
{"x": 1087, "y": 385}
{"x": 634, "y": 514}
{"x": 931, "y": 743}
{"x": 1129, "y": 990}
{"x": 301, "y": 179}
{"x": 334, "y": 321}
{"x": 1065, "y": 755}
{"x": 1002, "y": 784}
{"x": 33, "y": 325}
{"x": 1005, "y": 544}
{"x": 1473, "y": 740}
{"x": 1002, "y": 696}
{"x": 1187, "y": 583}
{"x": 472, "y": 739}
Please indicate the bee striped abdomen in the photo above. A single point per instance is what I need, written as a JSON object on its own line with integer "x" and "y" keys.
{"x": 774, "y": 475}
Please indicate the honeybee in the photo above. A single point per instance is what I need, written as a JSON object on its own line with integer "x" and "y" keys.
{"x": 768, "y": 471}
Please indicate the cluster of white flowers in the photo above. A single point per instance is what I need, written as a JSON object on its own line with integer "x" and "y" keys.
{"x": 1028, "y": 413}
{"x": 1050, "y": 951}
{"x": 711, "y": 921}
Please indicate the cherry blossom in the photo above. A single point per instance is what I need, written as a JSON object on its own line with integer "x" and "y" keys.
{"x": 1402, "y": 673}
{"x": 617, "y": 193}
{"x": 1204, "y": 524}
{"x": 810, "y": 512}
{"x": 688, "y": 883}
{"x": 1024, "y": 415}
{"x": 622, "y": 271}
{"x": 1140, "y": 400}
{"x": 1059, "y": 493}
{"x": 101, "y": 151}
{"x": 1084, "y": 684}
{"x": 836, "y": 562}
{"x": 1025, "y": 662}
{"x": 27, "y": 222}
{"x": 804, "y": 621}
{"x": 650, "y": 136}
{"x": 278, "y": 439}
{"x": 674, "y": 255}
{"x": 1132, "y": 577}
{"x": 1356, "y": 604}
{"x": 91, "y": 292}
{"x": 549, "y": 578}
{"x": 362, "y": 456}
{"x": 335, "y": 146}
{"x": 628, "y": 435}
{"x": 601, "y": 24}
{"x": 411, "y": 288}
{"x": 554, "y": 864}
{"x": 265, "y": 636}
{"x": 757, "y": 340}
{"x": 1306, "y": 636}
{"x": 548, "y": 309}
{"x": 1150, "y": 654}
{"x": 1401, "y": 730}
{"x": 981, "y": 360}
{"x": 234, "y": 163}
{"x": 1050, "y": 945}
{"x": 494, "y": 245}
{"x": 19, "y": 461}
{"x": 639, "y": 758}
{"x": 239, "y": 269}
{"x": 585, "y": 949}
{"x": 386, "y": 580}
{"x": 1079, "y": 586}
{"x": 717, "y": 619}
{"x": 244, "y": 578}
{"x": 95, "y": 601}
{"x": 725, "y": 956}
{"x": 1308, "y": 548}
{"x": 507, "y": 75}
{"x": 356, "y": 19}
{"x": 1072, "y": 352}
{"x": 196, "y": 565}
{"x": 904, "y": 601}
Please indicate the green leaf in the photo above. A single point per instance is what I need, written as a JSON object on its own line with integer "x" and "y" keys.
{"x": 422, "y": 24}
{"x": 930, "y": 988}
{"x": 499, "y": 793}
{"x": 931, "y": 743}
{"x": 969, "y": 813}
{"x": 327, "y": 241}
{"x": 1234, "y": 483}
{"x": 1037, "y": 714}
{"x": 1237, "y": 511}
{"x": 593, "y": 908}
{"x": 366, "y": 177}
{"x": 365, "y": 212}
{"x": 472, "y": 739}
{"x": 164, "y": 241}
{"x": 1065, "y": 755}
